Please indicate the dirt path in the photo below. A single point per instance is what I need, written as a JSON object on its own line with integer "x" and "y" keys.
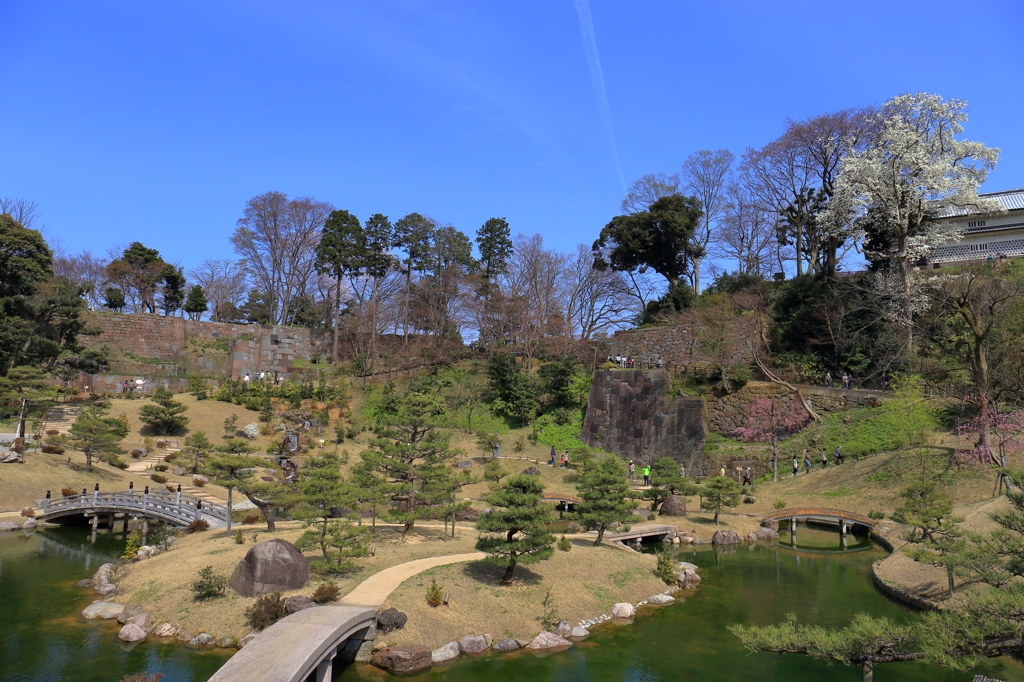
{"x": 374, "y": 590}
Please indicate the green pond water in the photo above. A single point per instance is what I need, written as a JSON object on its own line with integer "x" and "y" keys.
{"x": 44, "y": 638}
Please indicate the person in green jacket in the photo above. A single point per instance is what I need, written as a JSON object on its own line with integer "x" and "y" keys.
{"x": 647, "y": 474}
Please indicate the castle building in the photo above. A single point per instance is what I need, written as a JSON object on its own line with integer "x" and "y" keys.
{"x": 986, "y": 236}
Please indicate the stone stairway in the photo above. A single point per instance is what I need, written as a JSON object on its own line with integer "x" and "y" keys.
{"x": 60, "y": 419}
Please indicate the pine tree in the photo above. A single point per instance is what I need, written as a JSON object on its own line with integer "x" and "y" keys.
{"x": 718, "y": 492}
{"x": 196, "y": 303}
{"x": 604, "y": 492}
{"x": 515, "y": 524}
{"x": 233, "y": 467}
{"x": 165, "y": 417}
{"x": 324, "y": 492}
{"x": 198, "y": 447}
{"x": 666, "y": 480}
{"x": 96, "y": 436}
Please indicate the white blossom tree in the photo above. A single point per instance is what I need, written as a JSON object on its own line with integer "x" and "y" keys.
{"x": 906, "y": 181}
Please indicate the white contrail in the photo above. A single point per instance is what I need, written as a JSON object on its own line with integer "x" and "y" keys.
{"x": 597, "y": 76}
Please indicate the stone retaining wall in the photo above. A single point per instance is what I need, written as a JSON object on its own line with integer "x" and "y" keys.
{"x": 727, "y": 411}
{"x": 675, "y": 346}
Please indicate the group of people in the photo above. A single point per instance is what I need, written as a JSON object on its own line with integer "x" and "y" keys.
{"x": 847, "y": 380}
{"x": 645, "y": 471}
{"x": 838, "y": 454}
{"x": 563, "y": 463}
{"x": 128, "y": 386}
{"x": 627, "y": 362}
{"x": 261, "y": 377}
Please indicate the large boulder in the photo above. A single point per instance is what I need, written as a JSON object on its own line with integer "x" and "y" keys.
{"x": 203, "y": 639}
{"x": 102, "y": 610}
{"x": 660, "y": 599}
{"x": 762, "y": 534}
{"x": 579, "y": 632}
{"x": 563, "y": 629}
{"x": 9, "y": 525}
{"x": 473, "y": 644}
{"x": 725, "y": 537}
{"x": 271, "y": 566}
{"x": 402, "y": 659}
{"x": 770, "y": 523}
{"x": 623, "y": 610}
{"x": 297, "y": 603}
{"x": 131, "y": 633}
{"x": 165, "y": 630}
{"x": 391, "y": 619}
{"x": 531, "y": 471}
{"x": 547, "y": 640}
{"x": 29, "y": 523}
{"x": 674, "y": 505}
{"x": 449, "y": 652}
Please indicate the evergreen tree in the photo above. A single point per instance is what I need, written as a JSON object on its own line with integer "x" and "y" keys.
{"x": 113, "y": 299}
{"x": 666, "y": 480}
{"x": 719, "y": 492}
{"x": 934, "y": 533}
{"x": 232, "y": 467}
{"x": 512, "y": 392}
{"x": 197, "y": 447}
{"x": 325, "y": 492}
{"x": 172, "y": 292}
{"x": 196, "y": 303}
{"x": 97, "y": 436}
{"x": 515, "y": 524}
{"x": 604, "y": 489}
{"x": 165, "y": 417}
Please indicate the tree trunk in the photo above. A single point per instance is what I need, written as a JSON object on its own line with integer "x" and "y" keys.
{"x": 337, "y": 321}
{"x": 600, "y": 534}
{"x": 717, "y": 512}
{"x": 230, "y": 488}
{"x": 696, "y": 276}
{"x": 406, "y": 527}
{"x": 869, "y": 672}
{"x": 507, "y": 578}
{"x": 264, "y": 509}
{"x": 949, "y": 578}
{"x": 799, "y": 249}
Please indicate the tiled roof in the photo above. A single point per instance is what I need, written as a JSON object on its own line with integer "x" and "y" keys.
{"x": 1010, "y": 200}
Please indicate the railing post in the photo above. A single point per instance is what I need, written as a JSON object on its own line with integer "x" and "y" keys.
{"x": 145, "y": 498}
{"x": 199, "y": 509}
{"x": 177, "y": 500}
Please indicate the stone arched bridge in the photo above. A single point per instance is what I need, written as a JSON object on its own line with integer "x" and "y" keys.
{"x": 819, "y": 513}
{"x": 175, "y": 508}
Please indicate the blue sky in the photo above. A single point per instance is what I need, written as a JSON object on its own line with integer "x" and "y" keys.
{"x": 156, "y": 121}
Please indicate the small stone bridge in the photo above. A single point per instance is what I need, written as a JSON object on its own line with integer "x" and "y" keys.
{"x": 301, "y": 644}
{"x": 181, "y": 510}
{"x": 819, "y": 514}
{"x": 562, "y": 499}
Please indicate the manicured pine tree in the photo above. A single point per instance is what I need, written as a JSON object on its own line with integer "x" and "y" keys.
{"x": 165, "y": 417}
{"x": 197, "y": 447}
{"x": 665, "y": 481}
{"x": 515, "y": 525}
{"x": 196, "y": 303}
{"x": 718, "y": 492}
{"x": 324, "y": 491}
{"x": 604, "y": 489}
{"x": 96, "y": 436}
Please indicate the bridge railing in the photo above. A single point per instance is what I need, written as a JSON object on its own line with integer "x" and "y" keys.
{"x": 182, "y": 507}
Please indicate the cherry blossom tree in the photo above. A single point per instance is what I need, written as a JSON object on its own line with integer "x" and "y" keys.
{"x": 769, "y": 420}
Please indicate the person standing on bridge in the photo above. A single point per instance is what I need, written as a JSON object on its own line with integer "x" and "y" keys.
{"x": 647, "y": 474}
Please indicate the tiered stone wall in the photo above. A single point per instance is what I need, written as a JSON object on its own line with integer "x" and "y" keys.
{"x": 674, "y": 345}
{"x": 252, "y": 348}
{"x": 727, "y": 411}
{"x": 630, "y": 414}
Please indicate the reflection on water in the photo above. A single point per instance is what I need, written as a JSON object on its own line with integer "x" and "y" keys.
{"x": 44, "y": 636}
{"x": 818, "y": 580}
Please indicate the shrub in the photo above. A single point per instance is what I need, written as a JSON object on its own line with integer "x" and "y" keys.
{"x": 325, "y": 592}
{"x": 564, "y": 544}
{"x": 198, "y": 480}
{"x": 519, "y": 445}
{"x": 435, "y": 595}
{"x": 239, "y": 538}
{"x": 251, "y": 518}
{"x": 131, "y": 546}
{"x": 52, "y": 432}
{"x": 201, "y": 395}
{"x": 666, "y": 568}
{"x": 68, "y": 492}
{"x": 137, "y": 453}
{"x": 779, "y": 503}
{"x": 170, "y": 457}
{"x": 52, "y": 449}
{"x": 158, "y": 478}
{"x": 265, "y": 611}
{"x": 876, "y": 515}
{"x": 208, "y": 585}
{"x": 117, "y": 463}
{"x": 161, "y": 467}
{"x": 29, "y": 512}
{"x": 197, "y": 525}
{"x": 252, "y": 430}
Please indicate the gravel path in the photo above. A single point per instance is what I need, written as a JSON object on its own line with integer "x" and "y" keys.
{"x": 375, "y": 589}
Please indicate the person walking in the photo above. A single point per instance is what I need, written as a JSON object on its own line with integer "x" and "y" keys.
{"x": 632, "y": 470}
{"x": 682, "y": 471}
{"x": 807, "y": 462}
{"x": 796, "y": 466}
{"x": 565, "y": 460}
{"x": 721, "y": 472}
{"x": 748, "y": 477}
{"x": 497, "y": 451}
{"x": 553, "y": 455}
{"x": 245, "y": 380}
{"x": 839, "y": 454}
{"x": 828, "y": 379}
{"x": 824, "y": 459}
{"x": 647, "y": 474}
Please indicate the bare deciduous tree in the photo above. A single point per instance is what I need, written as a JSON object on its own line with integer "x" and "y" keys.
{"x": 705, "y": 175}
{"x": 224, "y": 285}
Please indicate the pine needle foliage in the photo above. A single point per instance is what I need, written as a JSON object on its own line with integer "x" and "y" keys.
{"x": 515, "y": 525}
{"x": 324, "y": 491}
{"x": 604, "y": 489}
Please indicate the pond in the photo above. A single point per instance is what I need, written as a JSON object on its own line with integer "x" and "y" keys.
{"x": 45, "y": 638}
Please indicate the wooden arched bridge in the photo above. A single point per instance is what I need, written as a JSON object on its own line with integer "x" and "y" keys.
{"x": 839, "y": 516}
{"x": 181, "y": 510}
